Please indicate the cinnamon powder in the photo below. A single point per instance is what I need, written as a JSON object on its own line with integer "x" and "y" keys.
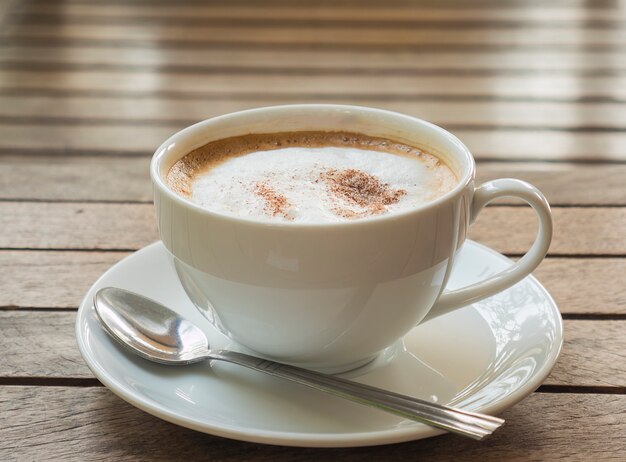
{"x": 361, "y": 189}
{"x": 275, "y": 203}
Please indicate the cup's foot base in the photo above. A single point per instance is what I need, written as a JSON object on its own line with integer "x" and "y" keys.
{"x": 348, "y": 370}
{"x": 334, "y": 368}
{"x": 351, "y": 369}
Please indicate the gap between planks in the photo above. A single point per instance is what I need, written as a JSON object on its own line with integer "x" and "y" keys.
{"x": 256, "y": 18}
{"x": 566, "y": 316}
{"x": 299, "y": 71}
{"x": 152, "y": 43}
{"x": 294, "y": 98}
{"x": 104, "y": 121}
{"x": 149, "y": 201}
{"x": 93, "y": 382}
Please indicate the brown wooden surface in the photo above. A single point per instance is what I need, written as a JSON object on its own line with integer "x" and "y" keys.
{"x": 573, "y": 61}
{"x": 554, "y": 87}
{"x": 92, "y": 424}
{"x": 81, "y": 137}
{"x": 126, "y": 179}
{"x": 40, "y": 344}
{"x": 59, "y": 279}
{"x": 156, "y": 111}
{"x": 510, "y": 230}
{"x": 88, "y": 90}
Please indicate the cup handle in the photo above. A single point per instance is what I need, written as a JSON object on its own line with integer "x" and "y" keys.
{"x": 487, "y": 192}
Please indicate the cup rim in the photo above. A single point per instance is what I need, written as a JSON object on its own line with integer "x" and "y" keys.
{"x": 162, "y": 151}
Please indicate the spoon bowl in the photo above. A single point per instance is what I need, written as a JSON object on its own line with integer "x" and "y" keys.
{"x": 148, "y": 329}
{"x": 154, "y": 332}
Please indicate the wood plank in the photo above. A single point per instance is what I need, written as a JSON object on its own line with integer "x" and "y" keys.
{"x": 334, "y": 12}
{"x": 584, "y": 348}
{"x": 595, "y": 290}
{"x": 42, "y": 344}
{"x": 52, "y": 279}
{"x": 562, "y": 87}
{"x": 509, "y": 230}
{"x": 101, "y": 178}
{"x": 546, "y": 145}
{"x": 563, "y": 183}
{"x": 307, "y": 35}
{"x": 76, "y": 226}
{"x": 487, "y": 144}
{"x": 76, "y": 178}
{"x": 149, "y": 111}
{"x": 391, "y": 3}
{"x": 366, "y": 60}
{"x": 75, "y": 424}
{"x": 67, "y": 139}
{"x": 576, "y": 231}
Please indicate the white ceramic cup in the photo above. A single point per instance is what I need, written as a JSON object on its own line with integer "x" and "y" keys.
{"x": 330, "y": 296}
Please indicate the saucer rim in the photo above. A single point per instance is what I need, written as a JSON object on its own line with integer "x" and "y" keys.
{"x": 306, "y": 439}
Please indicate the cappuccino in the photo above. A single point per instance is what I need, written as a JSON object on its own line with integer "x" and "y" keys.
{"x": 314, "y": 177}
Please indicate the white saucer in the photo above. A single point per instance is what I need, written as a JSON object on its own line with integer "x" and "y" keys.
{"x": 486, "y": 358}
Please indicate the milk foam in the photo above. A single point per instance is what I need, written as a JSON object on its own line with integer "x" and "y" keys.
{"x": 290, "y": 184}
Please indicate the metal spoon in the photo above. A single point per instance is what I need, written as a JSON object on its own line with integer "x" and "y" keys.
{"x": 158, "y": 334}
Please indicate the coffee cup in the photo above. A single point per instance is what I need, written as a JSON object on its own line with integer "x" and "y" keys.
{"x": 331, "y": 296}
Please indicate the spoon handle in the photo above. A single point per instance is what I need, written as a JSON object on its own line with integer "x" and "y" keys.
{"x": 473, "y": 425}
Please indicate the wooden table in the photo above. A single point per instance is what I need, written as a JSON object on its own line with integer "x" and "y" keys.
{"x": 537, "y": 89}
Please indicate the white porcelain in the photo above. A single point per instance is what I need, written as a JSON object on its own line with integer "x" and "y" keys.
{"x": 486, "y": 358}
{"x": 331, "y": 296}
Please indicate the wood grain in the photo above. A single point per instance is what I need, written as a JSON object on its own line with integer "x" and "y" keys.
{"x": 536, "y": 89}
{"x": 312, "y": 61}
{"x": 559, "y": 87}
{"x": 41, "y": 344}
{"x": 76, "y": 226}
{"x": 76, "y": 178}
{"x": 307, "y": 35}
{"x": 588, "y": 343}
{"x": 92, "y": 424}
{"x": 509, "y": 230}
{"x": 101, "y": 178}
{"x": 564, "y": 183}
{"x": 51, "y": 279}
{"x": 150, "y": 111}
{"x": 576, "y": 231}
{"x": 596, "y": 294}
{"x": 68, "y": 139}
{"x": 82, "y": 137}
